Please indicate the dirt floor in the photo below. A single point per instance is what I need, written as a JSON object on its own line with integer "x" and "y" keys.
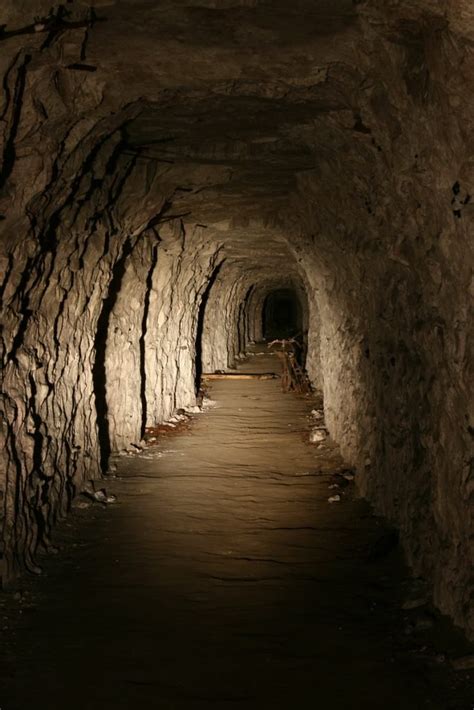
{"x": 222, "y": 577}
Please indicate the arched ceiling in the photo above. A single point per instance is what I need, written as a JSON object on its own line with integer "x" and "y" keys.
{"x": 236, "y": 104}
{"x": 229, "y": 94}
{"x": 234, "y": 90}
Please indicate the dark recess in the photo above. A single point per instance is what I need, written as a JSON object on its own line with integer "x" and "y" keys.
{"x": 146, "y": 309}
{"x": 100, "y": 346}
{"x": 200, "y": 326}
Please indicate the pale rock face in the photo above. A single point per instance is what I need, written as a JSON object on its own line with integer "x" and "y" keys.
{"x": 165, "y": 167}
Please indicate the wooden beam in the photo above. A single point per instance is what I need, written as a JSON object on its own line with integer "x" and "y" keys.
{"x": 239, "y": 376}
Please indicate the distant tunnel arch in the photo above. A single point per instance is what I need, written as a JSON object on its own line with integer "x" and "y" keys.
{"x": 282, "y": 314}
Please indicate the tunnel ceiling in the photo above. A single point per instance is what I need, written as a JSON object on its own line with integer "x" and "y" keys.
{"x": 233, "y": 101}
{"x": 241, "y": 85}
{"x": 238, "y": 87}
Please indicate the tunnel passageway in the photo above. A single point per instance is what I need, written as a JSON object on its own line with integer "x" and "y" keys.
{"x": 282, "y": 315}
{"x": 180, "y": 180}
{"x": 221, "y": 578}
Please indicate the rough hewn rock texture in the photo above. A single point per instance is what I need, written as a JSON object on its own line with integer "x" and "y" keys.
{"x": 165, "y": 166}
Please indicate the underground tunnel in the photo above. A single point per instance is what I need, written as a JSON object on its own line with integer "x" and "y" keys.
{"x": 182, "y": 183}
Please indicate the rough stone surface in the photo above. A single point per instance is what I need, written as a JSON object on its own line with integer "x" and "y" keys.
{"x": 164, "y": 157}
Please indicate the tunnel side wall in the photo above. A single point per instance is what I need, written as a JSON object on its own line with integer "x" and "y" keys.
{"x": 91, "y": 313}
{"x": 389, "y": 260}
{"x": 178, "y": 285}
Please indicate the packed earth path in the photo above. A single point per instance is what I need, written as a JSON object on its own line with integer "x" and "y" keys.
{"x": 222, "y": 577}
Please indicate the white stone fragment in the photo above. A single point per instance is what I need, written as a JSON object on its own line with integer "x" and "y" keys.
{"x": 317, "y": 436}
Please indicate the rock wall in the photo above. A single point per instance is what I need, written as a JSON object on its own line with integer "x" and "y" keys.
{"x": 185, "y": 266}
{"x": 223, "y": 336}
{"x": 52, "y": 290}
{"x": 389, "y": 258}
{"x": 82, "y": 291}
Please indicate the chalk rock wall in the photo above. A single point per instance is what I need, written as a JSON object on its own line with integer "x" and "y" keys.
{"x": 391, "y": 257}
{"x": 78, "y": 265}
{"x": 186, "y": 262}
{"x": 53, "y": 288}
{"x": 119, "y": 364}
{"x": 223, "y": 338}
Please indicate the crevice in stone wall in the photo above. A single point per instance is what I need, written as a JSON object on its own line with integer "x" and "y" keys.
{"x": 200, "y": 325}
{"x": 9, "y": 149}
{"x": 100, "y": 345}
{"x": 142, "y": 341}
{"x": 242, "y": 322}
{"x": 23, "y": 309}
{"x": 247, "y": 337}
{"x": 14, "y": 544}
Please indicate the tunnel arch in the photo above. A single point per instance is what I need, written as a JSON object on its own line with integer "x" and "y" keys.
{"x": 293, "y": 284}
{"x": 233, "y": 317}
{"x": 282, "y": 315}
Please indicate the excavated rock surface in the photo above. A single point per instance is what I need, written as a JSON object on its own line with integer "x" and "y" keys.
{"x": 223, "y": 577}
{"x": 160, "y": 157}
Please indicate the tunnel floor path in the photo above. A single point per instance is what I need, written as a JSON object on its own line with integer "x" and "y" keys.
{"x": 223, "y": 578}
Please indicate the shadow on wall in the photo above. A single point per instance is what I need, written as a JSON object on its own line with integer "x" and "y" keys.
{"x": 198, "y": 366}
{"x": 99, "y": 369}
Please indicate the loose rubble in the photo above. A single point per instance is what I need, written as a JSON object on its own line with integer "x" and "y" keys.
{"x": 99, "y": 496}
